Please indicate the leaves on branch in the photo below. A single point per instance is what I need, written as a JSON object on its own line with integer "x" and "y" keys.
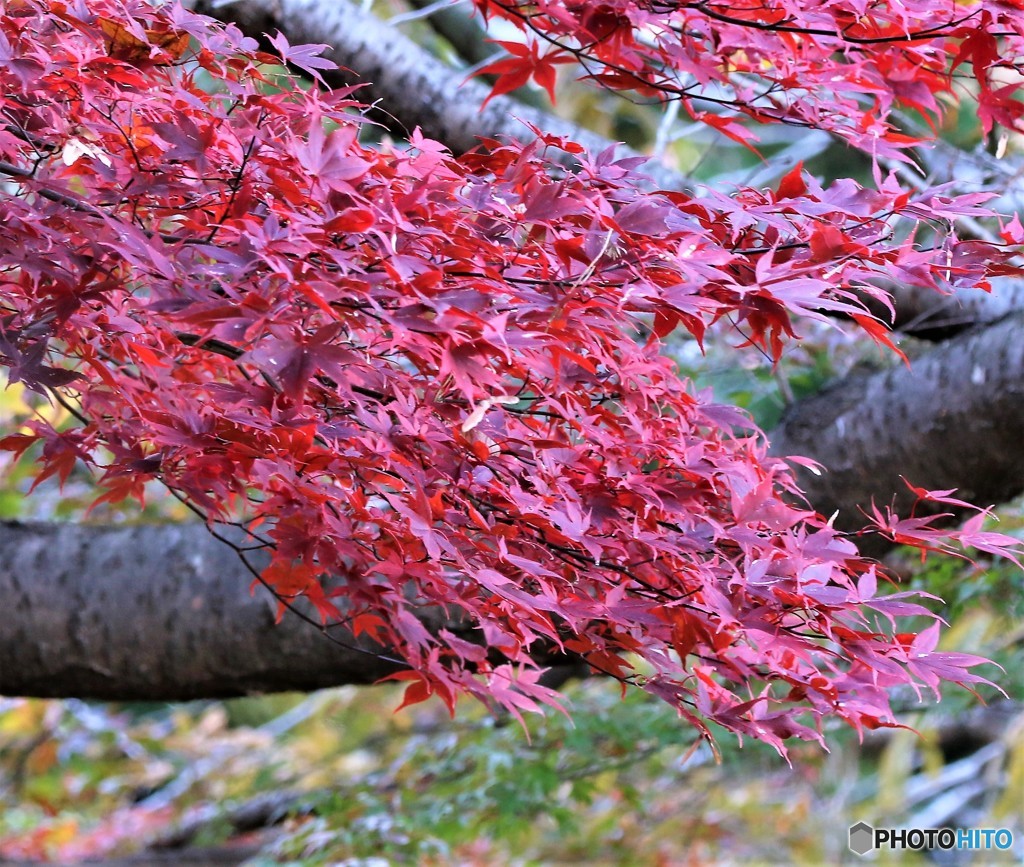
{"x": 843, "y": 67}
{"x": 434, "y": 380}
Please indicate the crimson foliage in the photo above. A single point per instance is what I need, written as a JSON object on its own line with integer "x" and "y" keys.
{"x": 441, "y": 379}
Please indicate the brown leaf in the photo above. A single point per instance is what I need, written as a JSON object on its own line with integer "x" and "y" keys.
{"x": 124, "y": 45}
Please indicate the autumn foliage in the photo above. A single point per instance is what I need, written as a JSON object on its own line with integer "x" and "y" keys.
{"x": 436, "y": 381}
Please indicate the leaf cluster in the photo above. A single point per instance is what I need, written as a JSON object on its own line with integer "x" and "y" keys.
{"x": 435, "y": 387}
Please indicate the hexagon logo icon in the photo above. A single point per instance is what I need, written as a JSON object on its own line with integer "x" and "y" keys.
{"x": 862, "y": 838}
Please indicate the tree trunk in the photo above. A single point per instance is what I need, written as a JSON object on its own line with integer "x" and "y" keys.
{"x": 953, "y": 419}
{"x": 159, "y": 613}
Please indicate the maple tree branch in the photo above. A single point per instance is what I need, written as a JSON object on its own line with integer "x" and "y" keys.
{"x": 21, "y": 174}
{"x": 781, "y": 27}
{"x": 27, "y": 177}
{"x": 637, "y": 506}
{"x": 410, "y": 84}
{"x": 419, "y": 90}
{"x": 83, "y": 622}
{"x": 165, "y": 612}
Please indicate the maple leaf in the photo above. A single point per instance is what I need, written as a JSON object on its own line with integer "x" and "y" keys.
{"x": 525, "y": 63}
{"x": 25, "y": 362}
{"x": 304, "y": 57}
{"x": 134, "y": 44}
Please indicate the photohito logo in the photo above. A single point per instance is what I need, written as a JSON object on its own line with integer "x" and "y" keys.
{"x": 864, "y": 838}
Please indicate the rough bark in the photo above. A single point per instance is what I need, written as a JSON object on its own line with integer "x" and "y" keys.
{"x": 158, "y": 613}
{"x": 414, "y": 87}
{"x": 953, "y": 419}
{"x": 927, "y": 315}
{"x": 165, "y": 613}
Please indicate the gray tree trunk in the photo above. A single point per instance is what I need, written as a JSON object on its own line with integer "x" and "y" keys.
{"x": 159, "y": 613}
{"x": 953, "y": 419}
